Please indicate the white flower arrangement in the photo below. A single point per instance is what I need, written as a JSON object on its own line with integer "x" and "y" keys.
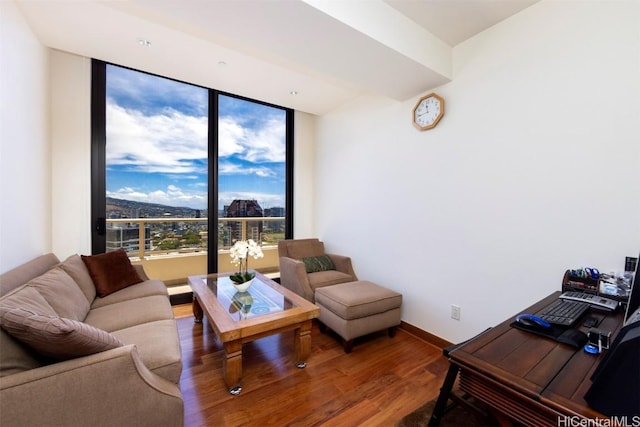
{"x": 240, "y": 253}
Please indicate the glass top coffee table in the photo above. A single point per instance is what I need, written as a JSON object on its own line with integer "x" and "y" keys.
{"x": 266, "y": 308}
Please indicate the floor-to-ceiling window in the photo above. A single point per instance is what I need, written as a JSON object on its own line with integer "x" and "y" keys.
{"x": 252, "y": 151}
{"x": 176, "y": 169}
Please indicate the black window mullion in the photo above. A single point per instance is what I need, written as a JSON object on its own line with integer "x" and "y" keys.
{"x": 212, "y": 259}
{"x": 288, "y": 223}
{"x": 98, "y": 154}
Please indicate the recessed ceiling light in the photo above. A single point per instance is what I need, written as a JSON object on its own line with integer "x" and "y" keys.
{"x": 144, "y": 42}
{"x": 222, "y": 63}
{"x": 293, "y": 92}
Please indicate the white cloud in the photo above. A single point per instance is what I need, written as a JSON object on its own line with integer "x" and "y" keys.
{"x": 167, "y": 143}
{"x": 230, "y": 137}
{"x": 171, "y": 196}
{"x": 176, "y": 143}
{"x": 268, "y": 143}
{"x": 228, "y": 168}
{"x": 263, "y": 144}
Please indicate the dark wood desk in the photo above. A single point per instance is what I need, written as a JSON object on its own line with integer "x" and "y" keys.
{"x": 528, "y": 378}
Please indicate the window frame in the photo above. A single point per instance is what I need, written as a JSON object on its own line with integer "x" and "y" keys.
{"x": 98, "y": 160}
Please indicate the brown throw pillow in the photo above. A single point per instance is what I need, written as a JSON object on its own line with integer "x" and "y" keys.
{"x": 111, "y": 271}
{"x": 54, "y": 336}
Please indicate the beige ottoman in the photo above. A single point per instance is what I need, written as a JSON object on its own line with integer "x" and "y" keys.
{"x": 359, "y": 308}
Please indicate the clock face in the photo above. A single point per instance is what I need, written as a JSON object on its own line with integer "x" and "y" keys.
{"x": 428, "y": 111}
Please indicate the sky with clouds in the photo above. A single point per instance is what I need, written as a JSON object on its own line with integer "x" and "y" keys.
{"x": 157, "y": 133}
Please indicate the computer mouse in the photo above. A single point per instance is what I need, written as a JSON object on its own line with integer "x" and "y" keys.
{"x": 532, "y": 321}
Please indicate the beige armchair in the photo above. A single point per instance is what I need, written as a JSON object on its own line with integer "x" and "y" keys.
{"x": 304, "y": 267}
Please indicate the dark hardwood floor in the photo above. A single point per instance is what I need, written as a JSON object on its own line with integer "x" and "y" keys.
{"x": 382, "y": 380}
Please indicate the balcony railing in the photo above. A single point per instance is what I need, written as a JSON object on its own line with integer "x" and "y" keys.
{"x": 171, "y": 249}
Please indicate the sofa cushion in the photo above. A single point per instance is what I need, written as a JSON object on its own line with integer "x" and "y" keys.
{"x": 129, "y": 313}
{"x": 75, "y": 268}
{"x": 139, "y": 290}
{"x": 62, "y": 293}
{"x": 20, "y": 275}
{"x": 159, "y": 346}
{"x": 308, "y": 248}
{"x": 328, "y": 278}
{"x": 29, "y": 298}
{"x": 111, "y": 271}
{"x": 318, "y": 263}
{"x": 40, "y": 328}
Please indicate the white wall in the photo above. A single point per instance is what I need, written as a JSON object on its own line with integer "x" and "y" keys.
{"x": 71, "y": 153}
{"x": 533, "y": 169}
{"x": 25, "y": 169}
{"x": 304, "y": 175}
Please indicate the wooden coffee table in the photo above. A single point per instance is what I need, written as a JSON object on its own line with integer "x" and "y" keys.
{"x": 239, "y": 317}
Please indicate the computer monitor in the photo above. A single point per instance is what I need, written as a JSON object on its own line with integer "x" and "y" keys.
{"x": 632, "y": 313}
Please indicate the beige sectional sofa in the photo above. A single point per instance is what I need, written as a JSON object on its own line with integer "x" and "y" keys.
{"x": 70, "y": 357}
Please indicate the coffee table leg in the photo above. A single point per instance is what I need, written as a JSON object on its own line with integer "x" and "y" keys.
{"x": 197, "y": 310}
{"x": 232, "y": 368}
{"x": 303, "y": 344}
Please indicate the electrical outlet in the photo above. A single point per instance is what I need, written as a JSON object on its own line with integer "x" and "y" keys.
{"x": 455, "y": 312}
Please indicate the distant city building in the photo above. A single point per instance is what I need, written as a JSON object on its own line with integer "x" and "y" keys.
{"x": 242, "y": 209}
{"x": 274, "y": 225}
{"x": 274, "y": 211}
{"x": 127, "y": 238}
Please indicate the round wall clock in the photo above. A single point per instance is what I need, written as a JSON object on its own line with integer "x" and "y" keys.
{"x": 428, "y": 111}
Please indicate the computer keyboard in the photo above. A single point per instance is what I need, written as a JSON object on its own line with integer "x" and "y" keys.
{"x": 564, "y": 312}
{"x": 596, "y": 301}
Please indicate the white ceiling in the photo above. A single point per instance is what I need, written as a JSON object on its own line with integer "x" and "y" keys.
{"x": 327, "y": 51}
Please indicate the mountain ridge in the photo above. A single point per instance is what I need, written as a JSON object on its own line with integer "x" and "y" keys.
{"x": 122, "y": 208}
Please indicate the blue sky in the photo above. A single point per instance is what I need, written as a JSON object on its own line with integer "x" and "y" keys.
{"x": 157, "y": 144}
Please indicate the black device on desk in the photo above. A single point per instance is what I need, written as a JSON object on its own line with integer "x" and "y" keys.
{"x": 615, "y": 389}
{"x": 537, "y": 325}
{"x": 564, "y": 312}
{"x": 632, "y": 313}
{"x": 595, "y": 301}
